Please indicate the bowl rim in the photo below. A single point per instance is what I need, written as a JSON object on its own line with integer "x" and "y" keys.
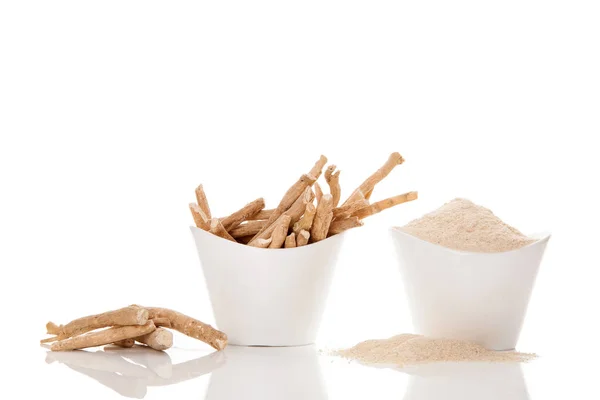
{"x": 540, "y": 237}
{"x": 327, "y": 241}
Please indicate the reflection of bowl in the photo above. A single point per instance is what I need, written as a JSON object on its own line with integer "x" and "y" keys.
{"x": 266, "y": 373}
{"x": 466, "y": 381}
{"x": 268, "y": 297}
{"x": 481, "y": 297}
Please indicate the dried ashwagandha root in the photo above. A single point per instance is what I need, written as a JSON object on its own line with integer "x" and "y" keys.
{"x": 200, "y": 218}
{"x": 256, "y": 226}
{"x": 385, "y": 204}
{"x": 367, "y": 186}
{"x": 290, "y": 241}
{"x": 203, "y": 202}
{"x": 159, "y": 339}
{"x": 262, "y": 214}
{"x": 302, "y": 238}
{"x": 280, "y": 232}
{"x": 243, "y": 214}
{"x": 288, "y": 199}
{"x": 333, "y": 180}
{"x": 341, "y": 225}
{"x": 248, "y": 228}
{"x": 216, "y": 228}
{"x": 323, "y": 217}
{"x": 190, "y": 327}
{"x": 131, "y": 315}
{"x": 294, "y": 212}
{"x": 261, "y": 243}
{"x": 305, "y": 222}
{"x": 347, "y": 210}
{"x": 318, "y": 191}
{"x": 103, "y": 337}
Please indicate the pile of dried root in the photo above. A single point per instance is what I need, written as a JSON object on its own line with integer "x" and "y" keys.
{"x": 129, "y": 325}
{"x": 297, "y": 221}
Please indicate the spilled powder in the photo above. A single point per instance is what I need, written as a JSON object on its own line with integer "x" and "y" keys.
{"x": 408, "y": 349}
{"x": 463, "y": 225}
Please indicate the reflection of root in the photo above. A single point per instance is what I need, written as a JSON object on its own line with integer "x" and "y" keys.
{"x": 130, "y": 371}
{"x": 125, "y": 386}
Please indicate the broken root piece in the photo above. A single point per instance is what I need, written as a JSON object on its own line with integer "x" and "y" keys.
{"x": 190, "y": 327}
{"x": 217, "y": 228}
{"x": 287, "y": 201}
{"x": 247, "y": 228}
{"x": 341, "y": 225}
{"x": 103, "y": 337}
{"x": 367, "y": 186}
{"x": 290, "y": 241}
{"x": 200, "y": 218}
{"x": 203, "y": 202}
{"x": 124, "y": 316}
{"x": 243, "y": 214}
{"x": 305, "y": 222}
{"x": 385, "y": 204}
{"x": 302, "y": 238}
{"x": 333, "y": 180}
{"x": 280, "y": 232}
{"x": 322, "y": 219}
{"x": 159, "y": 339}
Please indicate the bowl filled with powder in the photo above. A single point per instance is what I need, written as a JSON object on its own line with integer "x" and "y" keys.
{"x": 467, "y": 274}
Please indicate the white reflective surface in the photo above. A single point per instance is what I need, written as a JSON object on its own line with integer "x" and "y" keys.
{"x": 290, "y": 373}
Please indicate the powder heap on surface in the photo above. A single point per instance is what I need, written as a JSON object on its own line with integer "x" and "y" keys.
{"x": 408, "y": 349}
{"x": 462, "y": 225}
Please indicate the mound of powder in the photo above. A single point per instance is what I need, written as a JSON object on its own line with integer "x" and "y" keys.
{"x": 462, "y": 225}
{"x": 408, "y": 349}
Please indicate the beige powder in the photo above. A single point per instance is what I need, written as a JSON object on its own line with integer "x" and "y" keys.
{"x": 408, "y": 349}
{"x": 462, "y": 225}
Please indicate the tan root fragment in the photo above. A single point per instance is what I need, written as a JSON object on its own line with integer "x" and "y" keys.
{"x": 385, "y": 204}
{"x": 260, "y": 243}
{"x": 164, "y": 322}
{"x": 103, "y": 337}
{"x": 347, "y": 210}
{"x": 367, "y": 186}
{"x": 190, "y": 327}
{"x": 290, "y": 241}
{"x": 243, "y": 214}
{"x": 249, "y": 228}
{"x": 305, "y": 222}
{"x": 280, "y": 232}
{"x": 323, "y": 218}
{"x": 203, "y": 202}
{"x": 244, "y": 239}
{"x": 200, "y": 218}
{"x": 126, "y": 343}
{"x": 287, "y": 201}
{"x": 217, "y": 228}
{"x": 124, "y": 316}
{"x": 262, "y": 214}
{"x": 160, "y": 339}
{"x": 333, "y": 180}
{"x": 294, "y": 212}
{"x": 318, "y": 191}
{"x": 302, "y": 238}
{"x": 318, "y": 167}
{"x": 341, "y": 225}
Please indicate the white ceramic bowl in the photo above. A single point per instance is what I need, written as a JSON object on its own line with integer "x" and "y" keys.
{"x": 267, "y": 297}
{"x": 482, "y": 297}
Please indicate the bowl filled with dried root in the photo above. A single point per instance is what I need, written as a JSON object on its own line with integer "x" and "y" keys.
{"x": 268, "y": 271}
{"x": 467, "y": 274}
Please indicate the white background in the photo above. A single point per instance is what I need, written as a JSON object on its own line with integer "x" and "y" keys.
{"x": 112, "y": 112}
